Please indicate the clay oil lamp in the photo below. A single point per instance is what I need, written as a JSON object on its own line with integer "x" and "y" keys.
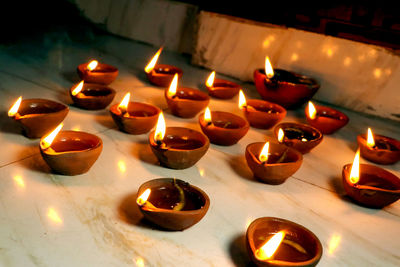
{"x": 379, "y": 149}
{"x": 301, "y": 137}
{"x": 261, "y": 114}
{"x": 288, "y": 89}
{"x": 37, "y": 116}
{"x": 185, "y": 102}
{"x": 161, "y": 74}
{"x": 272, "y": 163}
{"x": 177, "y": 147}
{"x": 172, "y": 203}
{"x": 70, "y": 152}
{"x": 223, "y": 128}
{"x": 134, "y": 117}
{"x": 220, "y": 88}
{"x": 95, "y": 72}
{"x": 91, "y": 96}
{"x": 278, "y": 242}
{"x": 325, "y": 119}
{"x": 370, "y": 185}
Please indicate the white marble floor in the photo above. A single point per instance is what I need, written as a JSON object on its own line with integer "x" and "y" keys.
{"x": 92, "y": 219}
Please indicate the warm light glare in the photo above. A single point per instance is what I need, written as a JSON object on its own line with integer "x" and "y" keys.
{"x": 139, "y": 262}
{"x": 312, "y": 112}
{"x": 201, "y": 172}
{"x": 207, "y": 115}
{"x": 242, "y": 100}
{"x": 143, "y": 197}
{"x": 122, "y": 166}
{"x": 19, "y": 181}
{"x": 263, "y": 157}
{"x": 53, "y": 216}
{"x": 123, "y": 106}
{"x": 269, "y": 71}
{"x": 153, "y": 61}
{"x": 77, "y": 89}
{"x": 210, "y": 80}
{"x": 355, "y": 169}
{"x": 281, "y": 135}
{"x": 334, "y": 243}
{"x": 14, "y": 109}
{"x": 48, "y": 139}
{"x": 267, "y": 250}
{"x": 370, "y": 138}
{"x": 172, "y": 88}
{"x": 92, "y": 65}
{"x": 160, "y": 128}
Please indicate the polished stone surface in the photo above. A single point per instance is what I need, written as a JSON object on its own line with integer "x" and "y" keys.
{"x": 92, "y": 220}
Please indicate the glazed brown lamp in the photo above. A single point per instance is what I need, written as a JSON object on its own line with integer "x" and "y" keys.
{"x": 134, "y": 117}
{"x": 70, "y": 152}
{"x": 378, "y": 148}
{"x": 95, "y": 72}
{"x": 325, "y": 119}
{"x": 172, "y": 203}
{"x": 278, "y": 242}
{"x": 220, "y": 88}
{"x": 223, "y": 128}
{"x": 91, "y": 96}
{"x": 261, "y": 114}
{"x": 299, "y": 136}
{"x": 370, "y": 185}
{"x": 185, "y": 102}
{"x": 177, "y": 147}
{"x": 272, "y": 163}
{"x": 161, "y": 74}
{"x": 37, "y": 116}
{"x": 288, "y": 89}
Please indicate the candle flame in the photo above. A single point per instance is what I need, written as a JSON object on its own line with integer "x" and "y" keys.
{"x": 153, "y": 61}
{"x": 281, "y": 135}
{"x": 14, "y": 109}
{"x": 269, "y": 71}
{"x": 210, "y": 80}
{"x": 267, "y": 250}
{"x": 370, "y": 138}
{"x": 48, "y": 139}
{"x": 242, "y": 100}
{"x": 123, "y": 106}
{"x": 143, "y": 197}
{"x": 160, "y": 128}
{"x": 174, "y": 85}
{"x": 92, "y": 65}
{"x": 312, "y": 111}
{"x": 263, "y": 157}
{"x": 207, "y": 115}
{"x": 77, "y": 89}
{"x": 355, "y": 169}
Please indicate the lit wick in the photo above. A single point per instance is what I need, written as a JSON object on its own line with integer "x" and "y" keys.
{"x": 207, "y": 116}
{"x": 160, "y": 130}
{"x": 173, "y": 87}
{"x": 123, "y": 106}
{"x": 92, "y": 65}
{"x": 243, "y": 102}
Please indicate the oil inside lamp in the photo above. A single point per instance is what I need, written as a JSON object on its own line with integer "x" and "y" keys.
{"x": 210, "y": 79}
{"x": 123, "y": 106}
{"x": 263, "y": 157}
{"x": 160, "y": 129}
{"x": 46, "y": 141}
{"x": 172, "y": 88}
{"x": 77, "y": 89}
{"x": 355, "y": 169}
{"x": 269, "y": 71}
{"x": 312, "y": 112}
{"x": 13, "y": 111}
{"x": 266, "y": 251}
{"x": 153, "y": 61}
{"x": 92, "y": 65}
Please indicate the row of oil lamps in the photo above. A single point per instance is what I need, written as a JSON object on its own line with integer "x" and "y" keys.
{"x": 174, "y": 204}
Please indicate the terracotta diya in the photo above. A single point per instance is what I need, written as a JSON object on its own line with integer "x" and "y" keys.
{"x": 223, "y": 128}
{"x": 288, "y": 89}
{"x": 261, "y": 114}
{"x": 70, "y": 152}
{"x": 378, "y": 148}
{"x": 325, "y": 119}
{"x": 185, "y": 102}
{"x": 301, "y": 137}
{"x": 172, "y": 203}
{"x": 278, "y": 242}
{"x": 91, "y": 96}
{"x": 177, "y": 147}
{"x": 134, "y": 117}
{"x": 220, "y": 88}
{"x": 37, "y": 116}
{"x": 95, "y": 72}
{"x": 370, "y": 185}
{"x": 161, "y": 74}
{"x": 272, "y": 163}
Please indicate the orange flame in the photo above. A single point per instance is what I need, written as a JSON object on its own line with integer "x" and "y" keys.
{"x": 281, "y": 135}
{"x": 153, "y": 61}
{"x": 48, "y": 139}
{"x": 370, "y": 138}
{"x": 355, "y": 169}
{"x": 312, "y": 111}
{"x": 160, "y": 128}
{"x": 207, "y": 115}
{"x": 141, "y": 200}
{"x": 77, "y": 89}
{"x": 263, "y": 157}
{"x": 210, "y": 80}
{"x": 123, "y": 106}
{"x": 267, "y": 250}
{"x": 14, "y": 109}
{"x": 92, "y": 65}
{"x": 269, "y": 71}
{"x": 174, "y": 85}
{"x": 242, "y": 100}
